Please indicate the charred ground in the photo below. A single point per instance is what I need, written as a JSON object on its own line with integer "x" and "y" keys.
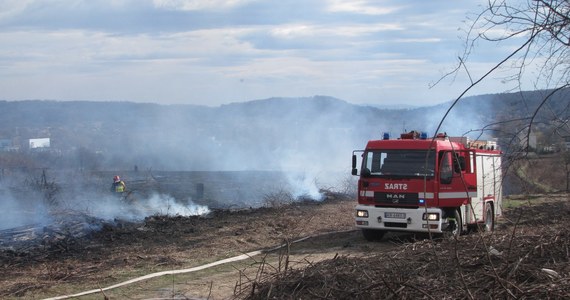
{"x": 58, "y": 259}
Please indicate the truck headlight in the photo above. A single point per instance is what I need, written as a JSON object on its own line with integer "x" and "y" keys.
{"x": 362, "y": 213}
{"x": 430, "y": 217}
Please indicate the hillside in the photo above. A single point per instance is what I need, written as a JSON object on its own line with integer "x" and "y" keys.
{"x": 269, "y": 134}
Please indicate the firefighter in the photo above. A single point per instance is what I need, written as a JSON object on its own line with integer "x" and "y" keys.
{"x": 118, "y": 185}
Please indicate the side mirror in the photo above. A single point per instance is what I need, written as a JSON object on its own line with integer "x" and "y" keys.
{"x": 354, "y": 169}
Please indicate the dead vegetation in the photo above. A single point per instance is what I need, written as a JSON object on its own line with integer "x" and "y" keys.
{"x": 526, "y": 258}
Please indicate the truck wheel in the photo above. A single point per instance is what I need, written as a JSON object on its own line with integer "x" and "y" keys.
{"x": 489, "y": 217}
{"x": 458, "y": 230}
{"x": 372, "y": 235}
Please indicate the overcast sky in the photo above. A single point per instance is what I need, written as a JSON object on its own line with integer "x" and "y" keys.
{"x": 212, "y": 52}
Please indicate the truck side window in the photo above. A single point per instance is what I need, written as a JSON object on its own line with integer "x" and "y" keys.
{"x": 456, "y": 163}
{"x": 376, "y": 162}
{"x": 445, "y": 167}
{"x": 368, "y": 164}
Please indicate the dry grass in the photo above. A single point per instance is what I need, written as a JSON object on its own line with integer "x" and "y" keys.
{"x": 526, "y": 258}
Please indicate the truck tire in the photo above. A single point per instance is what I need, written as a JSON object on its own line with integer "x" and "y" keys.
{"x": 489, "y": 217}
{"x": 458, "y": 230}
{"x": 372, "y": 235}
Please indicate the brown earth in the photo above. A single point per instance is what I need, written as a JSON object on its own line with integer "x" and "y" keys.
{"x": 335, "y": 262}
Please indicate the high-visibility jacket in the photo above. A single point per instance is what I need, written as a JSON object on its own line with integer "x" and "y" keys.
{"x": 119, "y": 187}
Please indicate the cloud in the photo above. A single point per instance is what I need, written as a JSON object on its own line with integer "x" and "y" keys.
{"x": 289, "y": 31}
{"x": 182, "y": 51}
{"x": 10, "y": 8}
{"x": 198, "y": 5}
{"x": 361, "y": 7}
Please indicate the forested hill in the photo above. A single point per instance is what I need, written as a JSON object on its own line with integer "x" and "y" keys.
{"x": 249, "y": 134}
{"x": 49, "y": 113}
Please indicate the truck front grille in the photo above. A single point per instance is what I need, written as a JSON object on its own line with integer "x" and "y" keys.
{"x": 396, "y": 199}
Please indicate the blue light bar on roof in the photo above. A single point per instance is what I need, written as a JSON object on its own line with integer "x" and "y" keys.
{"x": 423, "y": 136}
{"x": 386, "y": 135}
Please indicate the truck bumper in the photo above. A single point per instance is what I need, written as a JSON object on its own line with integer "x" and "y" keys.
{"x": 400, "y": 219}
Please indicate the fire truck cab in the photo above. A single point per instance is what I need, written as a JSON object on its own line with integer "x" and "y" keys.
{"x": 433, "y": 185}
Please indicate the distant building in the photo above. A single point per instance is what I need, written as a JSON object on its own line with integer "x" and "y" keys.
{"x": 532, "y": 140}
{"x": 5, "y": 144}
{"x": 549, "y": 149}
{"x": 39, "y": 143}
{"x": 489, "y": 145}
{"x": 527, "y": 139}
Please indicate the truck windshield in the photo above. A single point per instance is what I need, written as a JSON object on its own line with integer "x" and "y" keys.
{"x": 401, "y": 163}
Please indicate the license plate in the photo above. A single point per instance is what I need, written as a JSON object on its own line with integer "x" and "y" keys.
{"x": 394, "y": 215}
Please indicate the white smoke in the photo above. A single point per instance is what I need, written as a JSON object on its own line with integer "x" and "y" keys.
{"x": 166, "y": 205}
{"x": 304, "y": 185}
{"x": 310, "y": 144}
{"x": 15, "y": 213}
{"x": 112, "y": 208}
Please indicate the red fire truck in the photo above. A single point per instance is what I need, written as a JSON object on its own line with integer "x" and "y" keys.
{"x": 419, "y": 184}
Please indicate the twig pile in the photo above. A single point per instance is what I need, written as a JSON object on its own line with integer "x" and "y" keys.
{"x": 525, "y": 259}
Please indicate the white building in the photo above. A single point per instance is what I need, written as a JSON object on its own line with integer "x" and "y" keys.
{"x": 39, "y": 143}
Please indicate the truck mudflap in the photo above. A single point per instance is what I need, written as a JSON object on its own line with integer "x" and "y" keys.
{"x": 402, "y": 219}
